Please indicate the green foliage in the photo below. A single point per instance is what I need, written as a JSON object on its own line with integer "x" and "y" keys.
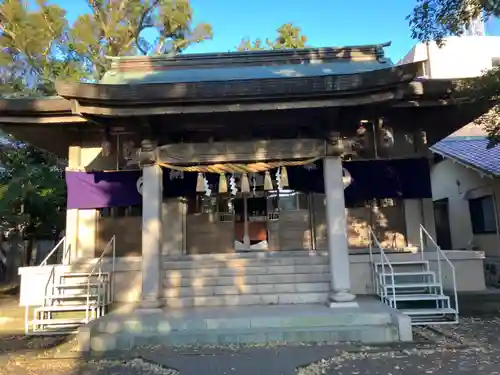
{"x": 486, "y": 88}
{"x": 41, "y": 47}
{"x": 36, "y": 48}
{"x": 434, "y": 20}
{"x": 289, "y": 37}
{"x": 32, "y": 191}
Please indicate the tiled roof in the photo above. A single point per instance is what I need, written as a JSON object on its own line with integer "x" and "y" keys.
{"x": 231, "y": 73}
{"x": 471, "y": 151}
{"x": 247, "y": 65}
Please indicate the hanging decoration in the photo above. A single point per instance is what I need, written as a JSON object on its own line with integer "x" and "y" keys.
{"x": 346, "y": 178}
{"x": 254, "y": 183}
{"x": 278, "y": 179}
{"x": 206, "y": 186}
{"x": 106, "y": 143}
{"x": 268, "y": 182}
{"x": 245, "y": 184}
{"x": 200, "y": 185}
{"x": 222, "y": 183}
{"x": 238, "y": 168}
{"x": 244, "y": 170}
{"x": 232, "y": 185}
{"x": 284, "y": 177}
{"x": 106, "y": 148}
{"x": 139, "y": 184}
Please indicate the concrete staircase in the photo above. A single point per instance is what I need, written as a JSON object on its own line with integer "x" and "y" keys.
{"x": 244, "y": 279}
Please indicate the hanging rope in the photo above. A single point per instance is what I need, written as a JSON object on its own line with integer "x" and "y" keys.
{"x": 238, "y": 168}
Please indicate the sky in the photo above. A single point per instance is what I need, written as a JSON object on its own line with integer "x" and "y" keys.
{"x": 326, "y": 23}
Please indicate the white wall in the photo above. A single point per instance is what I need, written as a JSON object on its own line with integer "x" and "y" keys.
{"x": 460, "y": 57}
{"x": 418, "y": 211}
{"x": 451, "y": 180}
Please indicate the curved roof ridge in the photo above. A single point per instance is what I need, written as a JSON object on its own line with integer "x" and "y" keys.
{"x": 378, "y": 48}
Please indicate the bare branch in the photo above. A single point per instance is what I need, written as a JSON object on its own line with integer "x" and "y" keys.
{"x": 140, "y": 25}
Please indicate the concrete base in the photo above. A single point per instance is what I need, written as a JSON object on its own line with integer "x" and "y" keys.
{"x": 369, "y": 322}
{"x": 335, "y": 305}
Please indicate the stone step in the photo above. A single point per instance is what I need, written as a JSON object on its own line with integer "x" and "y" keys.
{"x": 369, "y": 334}
{"x": 246, "y": 300}
{"x": 247, "y": 255}
{"x": 174, "y": 279}
{"x": 250, "y": 324}
{"x": 245, "y": 262}
{"x": 192, "y": 291}
{"x": 251, "y": 270}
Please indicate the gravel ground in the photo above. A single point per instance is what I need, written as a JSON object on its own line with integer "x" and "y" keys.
{"x": 473, "y": 347}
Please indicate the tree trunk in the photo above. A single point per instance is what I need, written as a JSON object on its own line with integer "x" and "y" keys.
{"x": 29, "y": 251}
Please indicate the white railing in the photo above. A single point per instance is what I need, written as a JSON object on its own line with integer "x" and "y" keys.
{"x": 66, "y": 254}
{"x": 384, "y": 262}
{"x": 440, "y": 255}
{"x": 49, "y": 286}
{"x": 97, "y": 270}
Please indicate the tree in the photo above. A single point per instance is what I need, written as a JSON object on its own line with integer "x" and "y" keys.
{"x": 41, "y": 47}
{"x": 35, "y": 48}
{"x": 32, "y": 192}
{"x": 289, "y": 37}
{"x": 117, "y": 28}
{"x": 434, "y": 20}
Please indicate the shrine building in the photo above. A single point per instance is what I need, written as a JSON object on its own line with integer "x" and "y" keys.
{"x": 254, "y": 180}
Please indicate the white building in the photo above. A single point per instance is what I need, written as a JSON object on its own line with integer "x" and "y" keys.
{"x": 464, "y": 177}
{"x": 460, "y": 57}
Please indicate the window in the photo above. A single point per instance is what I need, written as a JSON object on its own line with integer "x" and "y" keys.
{"x": 482, "y": 214}
{"x": 288, "y": 200}
{"x": 201, "y": 204}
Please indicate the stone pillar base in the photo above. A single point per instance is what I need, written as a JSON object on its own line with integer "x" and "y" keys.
{"x": 341, "y": 299}
{"x": 341, "y": 296}
{"x": 335, "y": 305}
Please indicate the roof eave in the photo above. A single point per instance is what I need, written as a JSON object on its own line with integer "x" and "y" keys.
{"x": 141, "y": 93}
{"x": 463, "y": 163}
{"x": 27, "y": 106}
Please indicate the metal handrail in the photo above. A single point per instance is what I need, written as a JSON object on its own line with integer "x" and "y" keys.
{"x": 111, "y": 243}
{"x": 61, "y": 241}
{"x": 50, "y": 281}
{"x": 384, "y": 259}
{"x": 440, "y": 254}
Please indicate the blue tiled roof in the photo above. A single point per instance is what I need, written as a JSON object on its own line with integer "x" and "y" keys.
{"x": 471, "y": 151}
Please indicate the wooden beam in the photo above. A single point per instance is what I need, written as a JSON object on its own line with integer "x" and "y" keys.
{"x": 256, "y": 151}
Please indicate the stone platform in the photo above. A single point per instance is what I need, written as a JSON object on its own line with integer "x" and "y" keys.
{"x": 127, "y": 327}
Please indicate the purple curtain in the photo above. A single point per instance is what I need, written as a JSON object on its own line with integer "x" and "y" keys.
{"x": 102, "y": 189}
{"x": 398, "y": 178}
